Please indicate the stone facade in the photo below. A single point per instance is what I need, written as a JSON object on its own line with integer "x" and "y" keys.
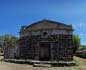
{"x": 46, "y": 41}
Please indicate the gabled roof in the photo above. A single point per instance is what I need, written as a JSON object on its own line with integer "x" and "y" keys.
{"x": 47, "y": 24}
{"x": 49, "y": 21}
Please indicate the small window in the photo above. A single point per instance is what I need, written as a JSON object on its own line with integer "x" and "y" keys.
{"x": 45, "y": 33}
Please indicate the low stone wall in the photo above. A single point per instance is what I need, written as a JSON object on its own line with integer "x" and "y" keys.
{"x": 81, "y": 53}
{"x": 9, "y": 52}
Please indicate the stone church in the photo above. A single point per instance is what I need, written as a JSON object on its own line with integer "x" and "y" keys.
{"x": 46, "y": 40}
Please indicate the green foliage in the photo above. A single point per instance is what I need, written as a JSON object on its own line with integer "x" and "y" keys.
{"x": 8, "y": 39}
{"x": 1, "y": 38}
{"x": 83, "y": 46}
{"x": 76, "y": 42}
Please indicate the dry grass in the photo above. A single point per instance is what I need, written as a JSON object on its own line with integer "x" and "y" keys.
{"x": 80, "y": 62}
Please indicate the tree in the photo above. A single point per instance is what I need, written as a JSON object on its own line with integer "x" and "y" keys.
{"x": 76, "y": 42}
{"x": 8, "y": 39}
{"x": 1, "y": 39}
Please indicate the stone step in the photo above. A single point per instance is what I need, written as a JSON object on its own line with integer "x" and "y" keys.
{"x": 41, "y": 65}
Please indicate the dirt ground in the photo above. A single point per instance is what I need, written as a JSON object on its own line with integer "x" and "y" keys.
{"x": 14, "y": 66}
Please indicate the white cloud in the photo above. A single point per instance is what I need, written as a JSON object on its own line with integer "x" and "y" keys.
{"x": 82, "y": 24}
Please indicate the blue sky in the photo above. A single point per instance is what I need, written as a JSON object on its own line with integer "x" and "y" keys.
{"x": 15, "y": 13}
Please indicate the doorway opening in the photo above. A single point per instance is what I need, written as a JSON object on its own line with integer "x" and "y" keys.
{"x": 44, "y": 54}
